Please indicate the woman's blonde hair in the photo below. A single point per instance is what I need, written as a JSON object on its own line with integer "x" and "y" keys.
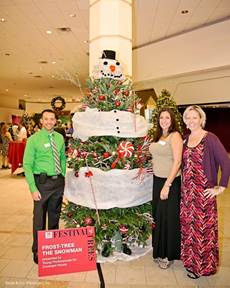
{"x": 198, "y": 110}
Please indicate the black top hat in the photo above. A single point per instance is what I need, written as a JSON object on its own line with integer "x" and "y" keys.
{"x": 109, "y": 54}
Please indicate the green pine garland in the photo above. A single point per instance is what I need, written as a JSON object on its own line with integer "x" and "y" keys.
{"x": 107, "y": 94}
{"x": 137, "y": 220}
{"x": 101, "y": 152}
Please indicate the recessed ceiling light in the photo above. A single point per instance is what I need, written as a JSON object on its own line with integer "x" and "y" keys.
{"x": 86, "y": 41}
{"x": 72, "y": 15}
{"x": 52, "y": 76}
{"x": 53, "y": 62}
{"x": 184, "y": 11}
{"x": 6, "y": 90}
{"x": 64, "y": 29}
{"x": 48, "y": 32}
{"x": 3, "y": 19}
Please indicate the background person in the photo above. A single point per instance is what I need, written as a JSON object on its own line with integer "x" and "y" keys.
{"x": 166, "y": 153}
{"x": 45, "y": 167}
{"x": 6, "y": 139}
{"x": 203, "y": 154}
{"x": 22, "y": 132}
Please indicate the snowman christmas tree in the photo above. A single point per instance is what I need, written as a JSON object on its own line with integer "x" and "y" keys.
{"x": 108, "y": 186}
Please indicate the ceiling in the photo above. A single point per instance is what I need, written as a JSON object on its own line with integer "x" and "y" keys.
{"x": 37, "y": 66}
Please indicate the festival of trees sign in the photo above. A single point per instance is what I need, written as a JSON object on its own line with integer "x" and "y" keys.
{"x": 66, "y": 251}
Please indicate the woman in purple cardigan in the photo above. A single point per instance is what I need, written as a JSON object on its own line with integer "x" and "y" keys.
{"x": 203, "y": 154}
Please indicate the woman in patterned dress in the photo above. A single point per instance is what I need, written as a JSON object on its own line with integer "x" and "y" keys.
{"x": 166, "y": 153}
{"x": 6, "y": 139}
{"x": 203, "y": 154}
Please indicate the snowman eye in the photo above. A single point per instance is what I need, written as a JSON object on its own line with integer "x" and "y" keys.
{"x": 105, "y": 63}
{"x": 117, "y": 63}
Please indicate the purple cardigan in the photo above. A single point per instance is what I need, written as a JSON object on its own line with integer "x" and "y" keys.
{"x": 215, "y": 156}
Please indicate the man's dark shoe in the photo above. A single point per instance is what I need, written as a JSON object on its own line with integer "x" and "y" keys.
{"x": 35, "y": 258}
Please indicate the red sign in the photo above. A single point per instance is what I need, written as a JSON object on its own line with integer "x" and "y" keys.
{"x": 66, "y": 251}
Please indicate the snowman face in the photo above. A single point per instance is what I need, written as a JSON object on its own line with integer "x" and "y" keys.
{"x": 110, "y": 68}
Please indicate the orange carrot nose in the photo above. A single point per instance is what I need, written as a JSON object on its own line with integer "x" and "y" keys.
{"x": 112, "y": 68}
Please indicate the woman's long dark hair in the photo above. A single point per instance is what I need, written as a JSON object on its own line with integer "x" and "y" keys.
{"x": 173, "y": 127}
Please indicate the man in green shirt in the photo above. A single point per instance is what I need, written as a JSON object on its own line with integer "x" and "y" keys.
{"x": 44, "y": 165}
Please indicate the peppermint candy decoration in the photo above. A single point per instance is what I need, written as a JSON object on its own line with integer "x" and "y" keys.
{"x": 125, "y": 149}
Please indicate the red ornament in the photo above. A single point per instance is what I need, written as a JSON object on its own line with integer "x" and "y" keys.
{"x": 101, "y": 97}
{"x": 106, "y": 154}
{"x": 83, "y": 107}
{"x": 76, "y": 174}
{"x": 69, "y": 214}
{"x": 117, "y": 103}
{"x": 88, "y": 174}
{"x": 123, "y": 229}
{"x": 115, "y": 92}
{"x": 89, "y": 221}
{"x": 130, "y": 109}
{"x": 126, "y": 93}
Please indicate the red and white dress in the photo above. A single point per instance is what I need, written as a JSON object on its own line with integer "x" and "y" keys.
{"x": 198, "y": 216}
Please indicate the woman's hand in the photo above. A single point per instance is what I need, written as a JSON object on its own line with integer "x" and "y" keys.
{"x": 164, "y": 193}
{"x": 212, "y": 192}
{"x": 36, "y": 196}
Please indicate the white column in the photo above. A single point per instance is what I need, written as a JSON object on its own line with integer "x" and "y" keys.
{"x": 111, "y": 29}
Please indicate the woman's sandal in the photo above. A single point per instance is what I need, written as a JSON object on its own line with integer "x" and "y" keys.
{"x": 192, "y": 275}
{"x": 164, "y": 263}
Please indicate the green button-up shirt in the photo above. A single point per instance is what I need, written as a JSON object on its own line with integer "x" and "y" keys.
{"x": 38, "y": 156}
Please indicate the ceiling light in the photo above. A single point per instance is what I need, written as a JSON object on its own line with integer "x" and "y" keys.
{"x": 3, "y": 20}
{"x": 86, "y": 41}
{"x": 6, "y": 90}
{"x": 72, "y": 15}
{"x": 53, "y": 62}
{"x": 184, "y": 11}
{"x": 64, "y": 29}
{"x": 48, "y": 32}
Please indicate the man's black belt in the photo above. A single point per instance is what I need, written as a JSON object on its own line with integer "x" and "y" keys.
{"x": 47, "y": 176}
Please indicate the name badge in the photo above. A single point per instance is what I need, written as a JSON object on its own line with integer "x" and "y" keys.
{"x": 47, "y": 145}
{"x": 162, "y": 142}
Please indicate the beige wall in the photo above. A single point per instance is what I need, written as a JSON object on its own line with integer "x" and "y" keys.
{"x": 5, "y": 114}
{"x": 194, "y": 67}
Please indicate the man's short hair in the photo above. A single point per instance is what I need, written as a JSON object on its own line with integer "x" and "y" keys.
{"x": 49, "y": 111}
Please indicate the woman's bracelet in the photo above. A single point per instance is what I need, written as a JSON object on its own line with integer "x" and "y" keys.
{"x": 168, "y": 185}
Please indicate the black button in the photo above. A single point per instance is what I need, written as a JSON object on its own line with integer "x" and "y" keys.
{"x": 118, "y": 131}
{"x": 117, "y": 119}
{"x": 117, "y": 127}
{"x": 115, "y": 111}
